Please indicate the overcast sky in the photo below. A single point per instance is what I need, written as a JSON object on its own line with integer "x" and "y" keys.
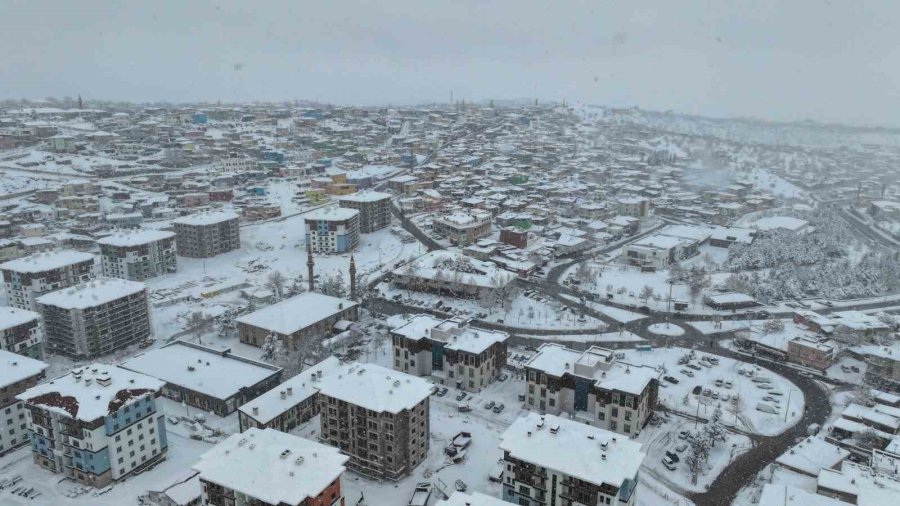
{"x": 785, "y": 60}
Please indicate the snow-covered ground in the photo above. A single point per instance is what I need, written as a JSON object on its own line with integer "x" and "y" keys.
{"x": 524, "y": 312}
{"x": 666, "y": 329}
{"x": 742, "y": 414}
{"x": 658, "y": 440}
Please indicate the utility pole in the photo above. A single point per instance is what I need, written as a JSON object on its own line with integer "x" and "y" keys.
{"x": 788, "y": 405}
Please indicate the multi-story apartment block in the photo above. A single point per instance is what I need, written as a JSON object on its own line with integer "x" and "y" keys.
{"x": 591, "y": 386}
{"x": 379, "y": 417}
{"x": 205, "y": 235}
{"x": 17, "y": 374}
{"x": 463, "y": 228}
{"x": 334, "y": 230}
{"x": 21, "y": 332}
{"x": 268, "y": 467}
{"x": 475, "y": 499}
{"x": 289, "y": 404}
{"x": 309, "y": 315}
{"x": 97, "y": 424}
{"x": 449, "y": 351}
{"x": 95, "y": 318}
{"x": 138, "y": 255}
{"x": 26, "y": 279}
{"x": 552, "y": 461}
{"x": 374, "y": 209}
{"x": 235, "y": 163}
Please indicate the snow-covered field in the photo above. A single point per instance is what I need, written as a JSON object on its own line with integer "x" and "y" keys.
{"x": 742, "y": 414}
{"x": 666, "y": 329}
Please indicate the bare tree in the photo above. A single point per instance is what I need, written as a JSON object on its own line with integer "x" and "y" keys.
{"x": 198, "y": 323}
{"x": 647, "y": 292}
{"x": 334, "y": 286}
{"x": 276, "y": 282}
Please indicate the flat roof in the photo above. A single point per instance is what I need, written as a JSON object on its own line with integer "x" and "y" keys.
{"x": 331, "y": 214}
{"x": 135, "y": 237}
{"x": 272, "y": 466}
{"x": 575, "y": 449}
{"x": 365, "y": 196}
{"x": 206, "y": 218}
{"x": 80, "y": 395}
{"x": 92, "y": 293}
{"x": 13, "y": 317}
{"x": 375, "y": 387}
{"x": 40, "y": 262}
{"x": 296, "y": 313}
{"x": 476, "y": 499}
{"x": 216, "y": 373}
{"x": 15, "y": 368}
{"x": 270, "y": 404}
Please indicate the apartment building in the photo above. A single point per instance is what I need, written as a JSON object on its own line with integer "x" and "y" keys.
{"x": 212, "y": 379}
{"x": 97, "y": 424}
{"x": 21, "y": 332}
{"x": 450, "y": 351}
{"x": 379, "y": 417}
{"x": 591, "y": 386}
{"x": 334, "y": 230}
{"x": 268, "y": 467}
{"x": 552, "y": 461}
{"x": 309, "y": 315}
{"x": 235, "y": 163}
{"x": 289, "y": 404}
{"x": 26, "y": 279}
{"x": 138, "y": 255}
{"x": 463, "y": 228}
{"x": 475, "y": 499}
{"x": 17, "y": 374}
{"x": 207, "y": 234}
{"x": 816, "y": 353}
{"x": 374, "y": 209}
{"x": 95, "y": 318}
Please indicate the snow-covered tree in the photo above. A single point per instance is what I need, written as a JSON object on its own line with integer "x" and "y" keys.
{"x": 646, "y": 293}
{"x": 333, "y": 285}
{"x": 714, "y": 430}
{"x": 698, "y": 454}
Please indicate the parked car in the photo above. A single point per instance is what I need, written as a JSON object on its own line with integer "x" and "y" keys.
{"x": 489, "y": 405}
{"x": 766, "y": 408}
{"x": 697, "y": 389}
{"x": 442, "y": 392}
{"x": 683, "y": 434}
{"x": 461, "y": 396}
{"x": 670, "y": 465}
{"x": 719, "y": 382}
{"x": 854, "y": 368}
{"x": 499, "y": 408}
{"x": 673, "y": 456}
{"x": 687, "y": 373}
{"x": 463, "y": 408}
{"x": 435, "y": 390}
{"x": 728, "y": 384}
{"x": 173, "y": 420}
{"x": 502, "y": 377}
{"x": 694, "y": 367}
{"x": 681, "y": 448}
{"x": 771, "y": 399}
{"x": 671, "y": 380}
{"x": 522, "y": 397}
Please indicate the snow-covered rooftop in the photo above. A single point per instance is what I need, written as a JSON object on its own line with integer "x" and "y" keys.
{"x": 331, "y": 214}
{"x": 299, "y": 312}
{"x": 375, "y": 388}
{"x": 365, "y": 196}
{"x": 13, "y": 317}
{"x": 572, "y": 448}
{"x": 782, "y": 222}
{"x": 272, "y": 466}
{"x": 870, "y": 489}
{"x": 787, "y": 495}
{"x": 91, "y": 392}
{"x": 206, "y": 218}
{"x": 15, "y": 367}
{"x": 476, "y": 499}
{"x": 92, "y": 293}
{"x": 270, "y": 405}
{"x": 812, "y": 455}
{"x": 40, "y": 262}
{"x": 136, "y": 237}
{"x": 217, "y": 373}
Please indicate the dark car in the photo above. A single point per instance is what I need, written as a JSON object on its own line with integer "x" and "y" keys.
{"x": 442, "y": 392}
{"x": 461, "y": 396}
{"x": 490, "y": 405}
{"x": 498, "y": 408}
{"x": 763, "y": 315}
{"x": 672, "y": 455}
{"x": 697, "y": 389}
{"x": 671, "y": 379}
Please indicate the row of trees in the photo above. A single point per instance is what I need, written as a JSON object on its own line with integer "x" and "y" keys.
{"x": 703, "y": 441}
